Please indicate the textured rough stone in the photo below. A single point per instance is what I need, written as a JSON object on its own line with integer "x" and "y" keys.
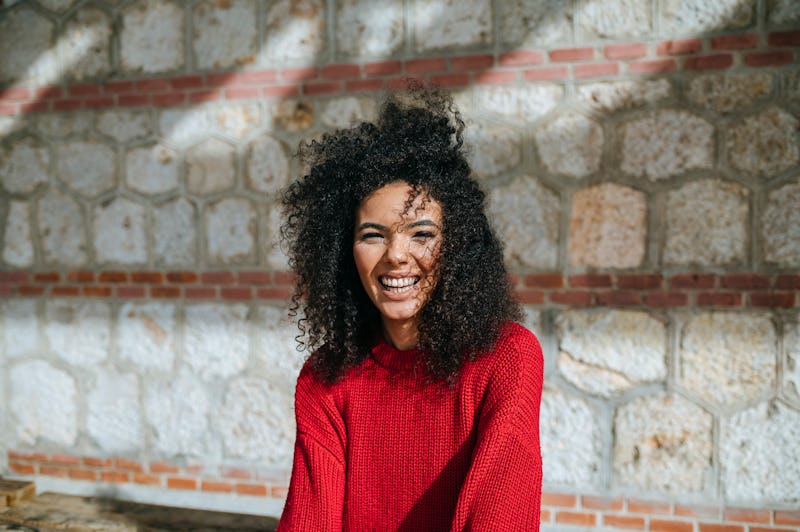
{"x": 231, "y": 231}
{"x": 791, "y": 363}
{"x": 532, "y": 319}
{"x": 366, "y": 28}
{"x": 62, "y": 125}
{"x": 120, "y": 235}
{"x": 124, "y": 125}
{"x": 78, "y": 332}
{"x": 147, "y": 335}
{"x": 267, "y": 165}
{"x": 151, "y": 38}
{"x": 728, "y": 358}
{"x": 85, "y": 44}
{"x": 570, "y": 145}
{"x": 17, "y": 244}
{"x": 61, "y": 229}
{"x": 236, "y": 120}
{"x": 9, "y": 125}
{"x": 448, "y": 23}
{"x": 666, "y": 143}
{"x": 608, "y": 352}
{"x": 764, "y": 144}
{"x": 24, "y": 166}
{"x": 216, "y": 340}
{"x": 276, "y": 347}
{"x": 30, "y": 36}
{"x": 87, "y": 167}
{"x": 707, "y": 223}
{"x": 177, "y": 411}
{"x": 210, "y": 167}
{"x": 181, "y": 127}
{"x": 760, "y": 455}
{"x": 175, "y": 233}
{"x": 663, "y": 442}
{"x": 151, "y": 169}
{"x": 532, "y": 23}
{"x": 615, "y": 18}
{"x": 526, "y": 216}
{"x": 348, "y": 111}
{"x": 625, "y": 94}
{"x": 43, "y": 401}
{"x": 570, "y": 439}
{"x": 294, "y": 115}
{"x": 113, "y": 420}
{"x": 493, "y": 149}
{"x": 728, "y": 92}
{"x": 523, "y": 103}
{"x": 689, "y": 16}
{"x": 19, "y": 328}
{"x": 791, "y": 84}
{"x": 781, "y": 226}
{"x": 57, "y": 5}
{"x": 225, "y": 33}
{"x": 276, "y": 258}
{"x": 295, "y": 31}
{"x": 607, "y": 227}
{"x": 783, "y": 11}
{"x": 256, "y": 422}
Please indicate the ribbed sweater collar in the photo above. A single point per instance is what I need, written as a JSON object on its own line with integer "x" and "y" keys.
{"x": 394, "y": 359}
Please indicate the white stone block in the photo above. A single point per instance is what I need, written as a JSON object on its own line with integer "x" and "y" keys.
{"x": 527, "y": 104}
{"x": 20, "y": 328}
{"x": 764, "y": 144}
{"x": 17, "y": 243}
{"x": 151, "y": 169}
{"x": 275, "y": 347}
{"x": 533, "y": 23}
{"x": 348, "y": 111}
{"x": 61, "y": 125}
{"x": 368, "y": 28}
{"x": 43, "y": 404}
{"x": 492, "y": 148}
{"x": 84, "y": 45}
{"x": 688, "y": 17}
{"x": 57, "y": 5}
{"x": 210, "y": 167}
{"x": 61, "y": 229}
{"x": 608, "y": 96}
{"x": 79, "y": 332}
{"x": 451, "y": 23}
{"x": 217, "y": 343}
{"x": 113, "y": 419}
{"x": 236, "y": 120}
{"x": 147, "y": 335}
{"x": 26, "y": 47}
{"x": 783, "y": 11}
{"x": 175, "y": 233}
{"x": 276, "y": 258}
{"x": 120, "y": 233}
{"x": 267, "y": 165}
{"x": 791, "y": 363}
{"x": 295, "y": 31}
{"x": 570, "y": 145}
{"x": 614, "y": 19}
{"x": 151, "y": 38}
{"x": 180, "y": 127}
{"x": 124, "y": 125}
{"x": 178, "y": 414}
{"x": 781, "y": 226}
{"x": 225, "y": 33}
{"x": 231, "y": 231}
{"x": 24, "y": 166}
{"x": 87, "y": 167}
{"x": 725, "y": 93}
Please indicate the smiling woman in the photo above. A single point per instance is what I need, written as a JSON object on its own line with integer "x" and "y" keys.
{"x": 418, "y": 408}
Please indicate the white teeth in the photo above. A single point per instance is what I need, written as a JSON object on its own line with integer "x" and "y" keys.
{"x": 394, "y": 282}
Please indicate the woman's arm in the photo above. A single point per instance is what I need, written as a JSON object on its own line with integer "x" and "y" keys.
{"x": 316, "y": 491}
{"x": 503, "y": 487}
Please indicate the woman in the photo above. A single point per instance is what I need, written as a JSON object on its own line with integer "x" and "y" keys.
{"x": 419, "y": 407}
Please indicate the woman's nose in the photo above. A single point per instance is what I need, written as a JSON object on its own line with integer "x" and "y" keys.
{"x": 397, "y": 250}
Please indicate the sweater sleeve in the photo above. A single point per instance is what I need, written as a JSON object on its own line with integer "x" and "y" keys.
{"x": 316, "y": 490}
{"x": 502, "y": 490}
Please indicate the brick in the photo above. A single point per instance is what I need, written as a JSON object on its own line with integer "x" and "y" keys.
{"x": 749, "y": 515}
{"x": 576, "y": 518}
{"x": 472, "y": 62}
{"x": 383, "y": 68}
{"x": 15, "y": 93}
{"x": 746, "y": 281}
{"x": 254, "y": 277}
{"x": 14, "y": 277}
{"x": 790, "y": 281}
{"x": 48, "y": 92}
{"x": 544, "y": 280}
{"x": 165, "y": 291}
{"x": 259, "y": 490}
{"x": 274, "y": 293}
{"x": 546, "y": 73}
{"x": 639, "y": 281}
{"x": 284, "y": 278}
{"x": 204, "y": 96}
{"x": 186, "y": 82}
{"x": 182, "y": 277}
{"x": 396, "y": 84}
{"x": 450, "y": 80}
{"x": 708, "y": 62}
{"x": 601, "y": 503}
{"x": 641, "y": 506}
{"x": 182, "y": 483}
{"x": 787, "y": 517}
{"x": 655, "y": 66}
{"x": 47, "y": 277}
{"x": 53, "y": 471}
{"x": 128, "y": 465}
{"x": 624, "y": 521}
{"x": 6, "y": 291}
{"x": 30, "y": 290}
{"x": 571, "y": 54}
{"x": 220, "y": 79}
{"x": 279, "y": 492}
{"x": 239, "y": 293}
{"x": 194, "y": 292}
{"x": 12, "y": 110}
{"x": 693, "y": 280}
{"x": 151, "y": 85}
{"x": 716, "y": 527}
{"x": 625, "y": 50}
{"x": 112, "y": 277}
{"x": 236, "y": 472}
{"x": 322, "y": 87}
{"x": 364, "y": 85}
{"x": 763, "y": 59}
{"x": 101, "y": 102}
{"x": 521, "y": 58}
{"x": 299, "y": 74}
{"x": 115, "y": 87}
{"x": 666, "y": 299}
{"x": 435, "y": 64}
{"x": 78, "y": 473}
{"x": 134, "y": 100}
{"x": 618, "y": 298}
{"x": 559, "y": 499}
{"x": 772, "y": 299}
{"x": 784, "y": 38}
{"x": 64, "y": 459}
{"x": 145, "y": 478}
{"x": 93, "y": 461}
{"x": 665, "y": 525}
{"x": 706, "y": 512}
{"x": 341, "y": 71}
{"x": 496, "y": 77}
{"x": 545, "y": 516}
{"x": 97, "y": 291}
{"x": 194, "y": 469}
{"x": 591, "y": 280}
{"x": 734, "y": 42}
{"x": 216, "y": 486}
{"x": 80, "y": 277}
{"x": 67, "y": 105}
{"x": 256, "y": 77}
{"x": 84, "y": 89}
{"x": 147, "y": 277}
{"x": 679, "y": 47}
{"x": 35, "y": 457}
{"x": 22, "y": 469}
{"x": 242, "y": 93}
{"x": 35, "y": 107}
{"x": 530, "y": 297}
{"x": 770, "y": 529}
{"x": 719, "y": 299}
{"x": 281, "y": 91}
{"x": 162, "y": 467}
{"x": 571, "y": 297}
{"x": 115, "y": 476}
{"x": 169, "y": 100}
{"x": 217, "y": 278}
{"x": 594, "y": 70}
{"x": 131, "y": 291}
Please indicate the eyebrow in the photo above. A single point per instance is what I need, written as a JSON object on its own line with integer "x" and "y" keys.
{"x": 379, "y": 227}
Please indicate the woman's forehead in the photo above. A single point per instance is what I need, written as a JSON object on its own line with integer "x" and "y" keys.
{"x": 392, "y": 201}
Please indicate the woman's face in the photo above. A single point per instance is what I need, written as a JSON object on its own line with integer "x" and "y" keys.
{"x": 396, "y": 250}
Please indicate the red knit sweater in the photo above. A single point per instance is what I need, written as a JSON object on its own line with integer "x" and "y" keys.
{"x": 382, "y": 450}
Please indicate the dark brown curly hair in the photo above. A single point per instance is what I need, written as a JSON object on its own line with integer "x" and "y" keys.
{"x": 417, "y": 138}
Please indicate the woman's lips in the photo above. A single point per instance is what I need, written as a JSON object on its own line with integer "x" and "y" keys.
{"x": 398, "y": 285}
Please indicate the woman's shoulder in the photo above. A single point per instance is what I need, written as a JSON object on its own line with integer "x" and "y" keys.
{"x": 516, "y": 349}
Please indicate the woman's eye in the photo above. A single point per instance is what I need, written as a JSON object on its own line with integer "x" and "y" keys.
{"x": 423, "y": 235}
{"x": 370, "y": 236}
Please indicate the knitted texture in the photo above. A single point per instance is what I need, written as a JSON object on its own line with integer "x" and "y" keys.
{"x": 386, "y": 449}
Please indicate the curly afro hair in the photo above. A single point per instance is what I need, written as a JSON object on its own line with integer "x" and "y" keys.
{"x": 417, "y": 138}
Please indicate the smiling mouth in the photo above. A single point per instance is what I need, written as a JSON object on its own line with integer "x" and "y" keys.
{"x": 398, "y": 285}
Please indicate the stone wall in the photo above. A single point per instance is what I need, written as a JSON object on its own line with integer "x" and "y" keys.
{"x": 641, "y": 162}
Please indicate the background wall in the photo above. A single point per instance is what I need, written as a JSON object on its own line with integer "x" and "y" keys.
{"x": 641, "y": 160}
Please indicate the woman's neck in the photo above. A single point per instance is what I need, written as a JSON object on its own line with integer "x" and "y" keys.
{"x": 401, "y": 335}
